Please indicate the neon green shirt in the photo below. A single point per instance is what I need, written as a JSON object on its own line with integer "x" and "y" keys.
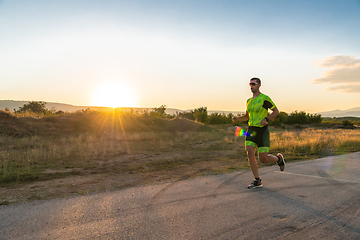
{"x": 257, "y": 109}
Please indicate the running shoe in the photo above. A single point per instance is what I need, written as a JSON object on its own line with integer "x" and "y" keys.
{"x": 255, "y": 184}
{"x": 281, "y": 161}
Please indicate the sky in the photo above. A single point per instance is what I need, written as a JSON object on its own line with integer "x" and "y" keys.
{"x": 182, "y": 54}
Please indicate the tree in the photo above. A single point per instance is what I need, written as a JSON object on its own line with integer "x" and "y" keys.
{"x": 298, "y": 118}
{"x": 35, "y": 107}
{"x": 188, "y": 115}
{"x": 280, "y": 120}
{"x": 315, "y": 118}
{"x": 158, "y": 112}
{"x": 347, "y": 124}
{"x": 200, "y": 115}
{"x": 217, "y": 118}
{"x": 303, "y": 118}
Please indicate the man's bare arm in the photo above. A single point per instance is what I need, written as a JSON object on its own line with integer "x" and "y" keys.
{"x": 241, "y": 118}
{"x": 274, "y": 113}
{"x": 272, "y": 116}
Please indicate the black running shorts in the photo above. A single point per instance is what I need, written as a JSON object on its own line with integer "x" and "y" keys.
{"x": 258, "y": 137}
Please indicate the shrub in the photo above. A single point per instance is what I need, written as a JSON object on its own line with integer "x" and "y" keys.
{"x": 315, "y": 118}
{"x": 35, "y": 107}
{"x": 303, "y": 118}
{"x": 347, "y": 124}
{"x": 188, "y": 115}
{"x": 280, "y": 120}
{"x": 298, "y": 118}
{"x": 217, "y": 118}
{"x": 158, "y": 112}
{"x": 201, "y": 115}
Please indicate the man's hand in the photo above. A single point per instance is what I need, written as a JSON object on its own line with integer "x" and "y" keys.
{"x": 264, "y": 122}
{"x": 241, "y": 118}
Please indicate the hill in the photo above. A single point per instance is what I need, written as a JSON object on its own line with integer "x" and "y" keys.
{"x": 352, "y": 112}
{"x": 11, "y": 105}
{"x": 91, "y": 122}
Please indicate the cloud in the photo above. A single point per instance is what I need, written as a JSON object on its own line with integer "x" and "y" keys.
{"x": 340, "y": 61}
{"x": 345, "y": 73}
{"x": 347, "y": 88}
{"x": 341, "y": 75}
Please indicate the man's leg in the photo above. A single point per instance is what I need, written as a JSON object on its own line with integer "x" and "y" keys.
{"x": 254, "y": 167}
{"x": 265, "y": 157}
{"x": 252, "y": 160}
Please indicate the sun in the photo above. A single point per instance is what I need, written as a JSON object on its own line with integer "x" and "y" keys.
{"x": 114, "y": 94}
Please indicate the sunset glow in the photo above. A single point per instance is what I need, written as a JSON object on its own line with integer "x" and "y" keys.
{"x": 114, "y": 94}
{"x": 182, "y": 54}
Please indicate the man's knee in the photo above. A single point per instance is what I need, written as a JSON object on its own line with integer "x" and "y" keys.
{"x": 250, "y": 150}
{"x": 263, "y": 157}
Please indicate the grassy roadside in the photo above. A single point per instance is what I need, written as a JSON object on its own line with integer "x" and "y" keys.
{"x": 90, "y": 152}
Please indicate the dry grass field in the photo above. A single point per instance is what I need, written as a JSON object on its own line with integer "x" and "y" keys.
{"x": 84, "y": 152}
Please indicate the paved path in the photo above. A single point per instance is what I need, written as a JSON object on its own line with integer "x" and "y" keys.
{"x": 317, "y": 199}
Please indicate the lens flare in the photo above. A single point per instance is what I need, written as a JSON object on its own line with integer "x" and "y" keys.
{"x": 334, "y": 165}
{"x": 241, "y": 132}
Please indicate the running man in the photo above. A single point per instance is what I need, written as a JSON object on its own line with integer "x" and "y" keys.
{"x": 258, "y": 135}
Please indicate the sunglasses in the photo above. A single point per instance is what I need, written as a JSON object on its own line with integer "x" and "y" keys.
{"x": 253, "y": 84}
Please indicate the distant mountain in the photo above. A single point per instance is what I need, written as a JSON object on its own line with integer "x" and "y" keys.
{"x": 352, "y": 112}
{"x": 11, "y": 105}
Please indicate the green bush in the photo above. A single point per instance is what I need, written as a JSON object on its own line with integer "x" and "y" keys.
{"x": 280, "y": 120}
{"x": 217, "y": 118}
{"x": 35, "y": 107}
{"x": 158, "y": 112}
{"x": 188, "y": 115}
{"x": 300, "y": 118}
{"x": 201, "y": 115}
{"x": 315, "y": 118}
{"x": 347, "y": 124}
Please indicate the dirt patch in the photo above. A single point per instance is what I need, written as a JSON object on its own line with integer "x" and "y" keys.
{"x": 106, "y": 160}
{"x": 127, "y": 171}
{"x": 58, "y": 171}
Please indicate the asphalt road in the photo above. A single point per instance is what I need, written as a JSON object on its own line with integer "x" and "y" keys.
{"x": 317, "y": 199}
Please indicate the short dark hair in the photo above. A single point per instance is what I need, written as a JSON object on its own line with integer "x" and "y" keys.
{"x": 256, "y": 79}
